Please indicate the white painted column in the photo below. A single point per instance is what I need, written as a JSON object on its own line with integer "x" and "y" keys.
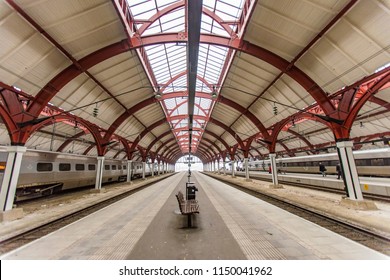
{"x": 214, "y": 166}
{"x": 224, "y": 167}
{"x": 152, "y": 169}
{"x": 233, "y": 168}
{"x": 218, "y": 170}
{"x": 143, "y": 169}
{"x": 129, "y": 169}
{"x": 246, "y": 165}
{"x": 99, "y": 173}
{"x": 274, "y": 171}
{"x": 348, "y": 167}
{"x": 11, "y": 176}
{"x": 158, "y": 167}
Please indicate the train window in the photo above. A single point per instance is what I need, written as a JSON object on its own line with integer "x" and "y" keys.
{"x": 386, "y": 161}
{"x": 124, "y": 167}
{"x": 333, "y": 162}
{"x": 2, "y": 166}
{"x": 362, "y": 162}
{"x": 113, "y": 167}
{"x": 120, "y": 167}
{"x": 377, "y": 162}
{"x": 44, "y": 166}
{"x": 106, "y": 167}
{"x": 80, "y": 167}
{"x": 64, "y": 167}
{"x": 91, "y": 167}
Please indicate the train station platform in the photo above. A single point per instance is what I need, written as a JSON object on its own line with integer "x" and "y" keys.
{"x": 327, "y": 203}
{"x": 231, "y": 225}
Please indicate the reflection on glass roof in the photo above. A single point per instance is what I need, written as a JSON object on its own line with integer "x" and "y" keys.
{"x": 169, "y": 61}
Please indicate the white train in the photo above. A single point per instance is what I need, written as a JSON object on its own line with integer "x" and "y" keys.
{"x": 44, "y": 173}
{"x": 374, "y": 163}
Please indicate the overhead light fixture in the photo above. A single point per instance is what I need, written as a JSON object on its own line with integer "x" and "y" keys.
{"x": 361, "y": 124}
{"x": 95, "y": 111}
{"x": 293, "y": 123}
{"x": 214, "y": 92}
{"x": 157, "y": 94}
{"x": 275, "y": 109}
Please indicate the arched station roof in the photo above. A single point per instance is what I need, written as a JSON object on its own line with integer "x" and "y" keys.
{"x": 216, "y": 78}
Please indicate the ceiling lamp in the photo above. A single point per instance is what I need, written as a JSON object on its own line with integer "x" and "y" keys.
{"x": 95, "y": 111}
{"x": 157, "y": 94}
{"x": 214, "y": 92}
{"x": 275, "y": 109}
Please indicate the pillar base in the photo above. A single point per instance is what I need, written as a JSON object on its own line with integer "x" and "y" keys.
{"x": 248, "y": 180}
{"x": 278, "y": 186}
{"x": 358, "y": 204}
{"x": 11, "y": 215}
{"x": 102, "y": 190}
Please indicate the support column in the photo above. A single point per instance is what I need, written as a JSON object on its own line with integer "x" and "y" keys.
{"x": 218, "y": 171}
{"x": 224, "y": 167}
{"x": 9, "y": 183}
{"x": 152, "y": 169}
{"x": 349, "y": 171}
{"x": 99, "y": 173}
{"x": 350, "y": 176}
{"x": 143, "y": 170}
{"x": 214, "y": 166}
{"x": 233, "y": 168}
{"x": 158, "y": 168}
{"x": 129, "y": 169}
{"x": 274, "y": 172}
{"x": 246, "y": 165}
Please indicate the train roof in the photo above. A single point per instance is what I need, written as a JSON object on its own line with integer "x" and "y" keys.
{"x": 3, "y": 149}
{"x": 380, "y": 153}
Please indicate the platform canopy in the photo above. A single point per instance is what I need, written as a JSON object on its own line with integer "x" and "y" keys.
{"x": 158, "y": 79}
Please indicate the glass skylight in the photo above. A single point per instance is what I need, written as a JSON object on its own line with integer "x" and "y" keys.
{"x": 169, "y": 61}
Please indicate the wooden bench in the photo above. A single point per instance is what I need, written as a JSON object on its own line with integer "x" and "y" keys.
{"x": 187, "y": 207}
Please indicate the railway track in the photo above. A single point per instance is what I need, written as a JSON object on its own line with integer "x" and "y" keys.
{"x": 28, "y": 236}
{"x": 358, "y": 234}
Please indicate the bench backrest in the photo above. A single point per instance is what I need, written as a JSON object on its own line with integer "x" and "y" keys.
{"x": 180, "y": 201}
{"x": 180, "y": 197}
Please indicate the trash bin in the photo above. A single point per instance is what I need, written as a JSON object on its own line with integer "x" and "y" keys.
{"x": 190, "y": 190}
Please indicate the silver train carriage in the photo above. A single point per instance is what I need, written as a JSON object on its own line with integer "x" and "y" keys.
{"x": 374, "y": 163}
{"x": 44, "y": 173}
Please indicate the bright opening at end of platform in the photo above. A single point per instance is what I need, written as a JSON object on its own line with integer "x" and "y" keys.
{"x": 182, "y": 164}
